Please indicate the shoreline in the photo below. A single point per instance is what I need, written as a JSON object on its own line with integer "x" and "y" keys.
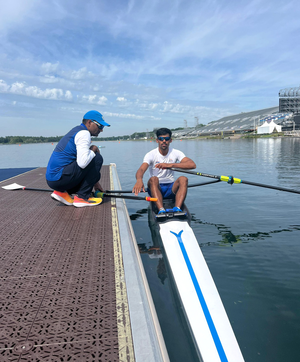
{"x": 199, "y": 138}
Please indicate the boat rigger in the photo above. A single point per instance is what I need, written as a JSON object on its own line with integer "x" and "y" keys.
{"x": 202, "y": 305}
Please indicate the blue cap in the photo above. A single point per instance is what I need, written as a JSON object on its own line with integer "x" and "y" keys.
{"x": 95, "y": 116}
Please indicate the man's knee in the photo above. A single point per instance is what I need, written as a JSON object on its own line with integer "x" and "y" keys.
{"x": 153, "y": 181}
{"x": 183, "y": 181}
{"x": 98, "y": 161}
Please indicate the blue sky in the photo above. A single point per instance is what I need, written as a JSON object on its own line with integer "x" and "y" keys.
{"x": 142, "y": 64}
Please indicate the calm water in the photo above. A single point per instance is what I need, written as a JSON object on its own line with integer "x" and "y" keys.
{"x": 250, "y": 237}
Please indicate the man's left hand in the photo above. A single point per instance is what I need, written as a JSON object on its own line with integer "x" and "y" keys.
{"x": 164, "y": 165}
{"x": 98, "y": 187}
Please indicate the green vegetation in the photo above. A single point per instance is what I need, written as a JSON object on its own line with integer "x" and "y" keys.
{"x": 271, "y": 135}
{"x": 23, "y": 139}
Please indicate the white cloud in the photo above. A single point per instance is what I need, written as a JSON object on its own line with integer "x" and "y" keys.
{"x": 80, "y": 74}
{"x": 68, "y": 95}
{"x": 94, "y": 99}
{"x": 20, "y": 88}
{"x": 3, "y": 86}
{"x": 48, "y": 79}
{"x": 130, "y": 115}
{"x": 121, "y": 99}
{"x": 48, "y": 67}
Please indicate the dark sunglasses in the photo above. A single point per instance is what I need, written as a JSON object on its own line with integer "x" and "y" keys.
{"x": 100, "y": 126}
{"x": 164, "y": 138}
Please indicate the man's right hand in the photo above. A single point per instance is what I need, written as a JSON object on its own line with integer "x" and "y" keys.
{"x": 94, "y": 149}
{"x": 138, "y": 187}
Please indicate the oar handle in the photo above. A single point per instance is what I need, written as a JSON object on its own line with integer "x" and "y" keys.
{"x": 151, "y": 198}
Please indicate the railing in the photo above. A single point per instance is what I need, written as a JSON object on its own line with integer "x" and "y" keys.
{"x": 292, "y": 133}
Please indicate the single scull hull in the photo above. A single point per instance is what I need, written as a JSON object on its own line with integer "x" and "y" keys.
{"x": 204, "y": 310}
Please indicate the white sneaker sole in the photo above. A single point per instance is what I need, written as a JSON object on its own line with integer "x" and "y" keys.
{"x": 81, "y": 204}
{"x": 61, "y": 199}
{"x": 97, "y": 201}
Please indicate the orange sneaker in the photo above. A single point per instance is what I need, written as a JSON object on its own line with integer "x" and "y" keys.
{"x": 92, "y": 201}
{"x": 63, "y": 197}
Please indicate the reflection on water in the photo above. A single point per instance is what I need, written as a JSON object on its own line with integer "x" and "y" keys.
{"x": 227, "y": 236}
{"x": 138, "y": 214}
{"x": 154, "y": 252}
{"x": 249, "y": 237}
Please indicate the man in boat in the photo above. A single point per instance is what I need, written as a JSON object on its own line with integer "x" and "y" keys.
{"x": 74, "y": 166}
{"x": 162, "y": 183}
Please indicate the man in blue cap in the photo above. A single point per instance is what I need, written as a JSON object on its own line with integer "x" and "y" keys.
{"x": 74, "y": 166}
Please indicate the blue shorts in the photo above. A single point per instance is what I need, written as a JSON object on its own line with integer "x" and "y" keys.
{"x": 166, "y": 191}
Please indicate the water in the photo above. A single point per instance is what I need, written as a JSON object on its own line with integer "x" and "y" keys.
{"x": 250, "y": 237}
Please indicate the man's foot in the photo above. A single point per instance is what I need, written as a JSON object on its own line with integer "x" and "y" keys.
{"x": 176, "y": 209}
{"x": 62, "y": 197}
{"x": 162, "y": 211}
{"x": 92, "y": 201}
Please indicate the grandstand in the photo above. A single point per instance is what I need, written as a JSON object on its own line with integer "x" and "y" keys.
{"x": 287, "y": 115}
{"x": 289, "y": 100}
{"x": 239, "y": 123}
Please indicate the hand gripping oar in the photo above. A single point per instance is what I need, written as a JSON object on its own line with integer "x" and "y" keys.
{"x": 101, "y": 194}
{"x": 231, "y": 180}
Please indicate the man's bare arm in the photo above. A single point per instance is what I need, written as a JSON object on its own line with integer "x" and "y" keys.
{"x": 186, "y": 163}
{"x": 139, "y": 185}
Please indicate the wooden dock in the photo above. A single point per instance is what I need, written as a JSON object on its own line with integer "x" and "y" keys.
{"x": 72, "y": 283}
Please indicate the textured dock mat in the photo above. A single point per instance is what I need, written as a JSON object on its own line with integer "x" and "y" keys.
{"x": 57, "y": 278}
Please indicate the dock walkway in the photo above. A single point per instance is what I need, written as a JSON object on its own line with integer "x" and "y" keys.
{"x": 72, "y": 283}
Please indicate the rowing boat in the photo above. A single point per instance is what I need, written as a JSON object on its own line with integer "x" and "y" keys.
{"x": 205, "y": 314}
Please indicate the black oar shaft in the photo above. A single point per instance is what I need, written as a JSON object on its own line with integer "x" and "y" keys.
{"x": 103, "y": 194}
{"x": 204, "y": 183}
{"x": 121, "y": 191}
{"x": 270, "y": 187}
{"x": 231, "y": 179}
{"x": 146, "y": 190}
{"x": 32, "y": 189}
{"x": 125, "y": 197}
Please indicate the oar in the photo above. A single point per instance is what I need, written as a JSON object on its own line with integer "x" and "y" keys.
{"x": 15, "y": 186}
{"x": 19, "y": 187}
{"x": 204, "y": 183}
{"x": 104, "y": 194}
{"x": 231, "y": 180}
{"x": 121, "y": 191}
{"x": 146, "y": 190}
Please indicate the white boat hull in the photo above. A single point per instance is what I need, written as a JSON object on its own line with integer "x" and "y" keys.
{"x": 202, "y": 304}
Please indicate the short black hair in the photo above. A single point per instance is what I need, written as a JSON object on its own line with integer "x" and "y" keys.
{"x": 162, "y": 131}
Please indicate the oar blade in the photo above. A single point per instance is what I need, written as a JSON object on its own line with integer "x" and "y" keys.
{"x": 13, "y": 187}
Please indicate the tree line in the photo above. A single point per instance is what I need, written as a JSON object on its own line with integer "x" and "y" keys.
{"x": 31, "y": 139}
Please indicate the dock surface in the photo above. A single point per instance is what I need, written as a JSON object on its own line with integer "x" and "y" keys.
{"x": 64, "y": 290}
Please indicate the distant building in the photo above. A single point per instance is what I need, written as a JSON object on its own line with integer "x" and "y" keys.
{"x": 285, "y": 116}
{"x": 289, "y": 100}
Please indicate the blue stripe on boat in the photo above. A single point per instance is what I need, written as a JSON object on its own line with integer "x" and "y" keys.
{"x": 207, "y": 315}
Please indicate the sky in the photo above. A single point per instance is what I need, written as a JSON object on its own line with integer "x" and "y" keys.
{"x": 142, "y": 64}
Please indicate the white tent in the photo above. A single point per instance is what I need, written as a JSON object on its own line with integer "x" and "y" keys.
{"x": 268, "y": 128}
